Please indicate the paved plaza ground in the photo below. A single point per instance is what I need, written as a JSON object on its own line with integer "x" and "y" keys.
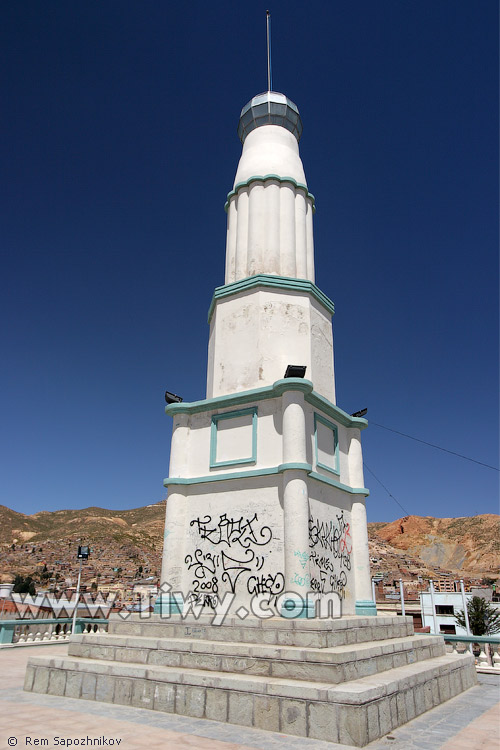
{"x": 470, "y": 721}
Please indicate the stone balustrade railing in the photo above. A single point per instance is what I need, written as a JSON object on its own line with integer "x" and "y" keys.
{"x": 49, "y": 630}
{"x": 486, "y": 649}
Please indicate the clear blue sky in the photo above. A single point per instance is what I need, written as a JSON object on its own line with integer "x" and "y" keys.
{"x": 119, "y": 119}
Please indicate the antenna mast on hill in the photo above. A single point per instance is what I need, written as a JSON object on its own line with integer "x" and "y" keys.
{"x": 268, "y": 24}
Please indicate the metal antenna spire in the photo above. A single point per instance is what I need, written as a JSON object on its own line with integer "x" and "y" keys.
{"x": 269, "y": 78}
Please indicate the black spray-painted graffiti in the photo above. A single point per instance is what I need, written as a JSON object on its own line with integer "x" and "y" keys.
{"x": 330, "y": 549}
{"x": 239, "y": 542}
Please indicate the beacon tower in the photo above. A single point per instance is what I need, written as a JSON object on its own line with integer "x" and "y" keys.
{"x": 266, "y": 490}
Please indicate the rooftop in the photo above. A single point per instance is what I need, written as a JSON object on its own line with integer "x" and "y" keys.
{"x": 469, "y": 721}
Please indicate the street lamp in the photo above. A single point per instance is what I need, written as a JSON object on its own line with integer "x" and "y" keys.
{"x": 83, "y": 554}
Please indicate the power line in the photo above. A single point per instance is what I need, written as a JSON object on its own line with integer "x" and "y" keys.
{"x": 385, "y": 488}
{"x": 453, "y": 453}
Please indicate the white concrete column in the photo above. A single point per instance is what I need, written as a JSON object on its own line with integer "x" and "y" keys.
{"x": 361, "y": 558}
{"x": 231, "y": 242}
{"x": 272, "y": 245}
{"x": 241, "y": 233}
{"x": 295, "y": 503}
{"x": 360, "y": 553}
{"x": 179, "y": 453}
{"x": 172, "y": 568}
{"x": 300, "y": 235}
{"x": 294, "y": 428}
{"x": 287, "y": 229}
{"x": 173, "y": 545}
{"x": 310, "y": 240}
{"x": 256, "y": 228}
{"x": 355, "y": 459}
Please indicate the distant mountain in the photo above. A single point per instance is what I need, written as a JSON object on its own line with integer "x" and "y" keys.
{"x": 142, "y": 526}
{"x": 128, "y": 543}
{"x": 470, "y": 544}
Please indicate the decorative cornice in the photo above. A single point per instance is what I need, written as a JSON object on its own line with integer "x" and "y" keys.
{"x": 265, "y": 178}
{"x": 270, "y": 281}
{"x": 256, "y": 473}
{"x": 270, "y": 391}
{"x": 236, "y": 399}
{"x": 338, "y": 485}
{"x": 332, "y": 410}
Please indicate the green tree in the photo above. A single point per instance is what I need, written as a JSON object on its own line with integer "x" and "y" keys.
{"x": 24, "y": 585}
{"x": 483, "y": 618}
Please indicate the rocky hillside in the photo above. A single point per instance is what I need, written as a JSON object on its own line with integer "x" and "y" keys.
{"x": 142, "y": 526}
{"x": 128, "y": 543}
{"x": 469, "y": 545}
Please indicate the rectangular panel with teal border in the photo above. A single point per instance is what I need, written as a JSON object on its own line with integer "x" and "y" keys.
{"x": 334, "y": 469}
{"x": 216, "y": 418}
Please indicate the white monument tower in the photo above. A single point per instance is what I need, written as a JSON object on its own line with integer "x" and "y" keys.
{"x": 266, "y": 490}
{"x": 266, "y": 510}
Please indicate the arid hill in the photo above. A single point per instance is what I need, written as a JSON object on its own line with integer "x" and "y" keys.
{"x": 470, "y": 544}
{"x": 128, "y": 543}
{"x": 143, "y": 526}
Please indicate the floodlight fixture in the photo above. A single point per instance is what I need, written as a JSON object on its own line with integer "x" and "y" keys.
{"x": 83, "y": 553}
{"x": 295, "y": 371}
{"x": 171, "y": 398}
{"x": 360, "y": 413}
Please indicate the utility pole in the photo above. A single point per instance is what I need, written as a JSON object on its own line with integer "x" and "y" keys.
{"x": 83, "y": 554}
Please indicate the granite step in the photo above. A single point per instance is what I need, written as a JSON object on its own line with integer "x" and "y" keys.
{"x": 314, "y": 633}
{"x": 355, "y": 712}
{"x": 336, "y": 664}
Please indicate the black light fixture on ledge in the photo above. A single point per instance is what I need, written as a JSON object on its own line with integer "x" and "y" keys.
{"x": 360, "y": 413}
{"x": 295, "y": 371}
{"x": 171, "y": 398}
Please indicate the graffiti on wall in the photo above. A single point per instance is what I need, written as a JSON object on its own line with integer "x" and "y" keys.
{"x": 238, "y": 550}
{"x": 330, "y": 546}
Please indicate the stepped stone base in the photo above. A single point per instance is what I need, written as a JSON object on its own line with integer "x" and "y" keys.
{"x": 350, "y": 680}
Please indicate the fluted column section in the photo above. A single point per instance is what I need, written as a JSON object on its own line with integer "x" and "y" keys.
{"x": 272, "y": 250}
{"x": 231, "y": 242}
{"x": 241, "y": 233}
{"x": 300, "y": 235}
{"x": 270, "y": 230}
{"x": 310, "y": 240}
{"x": 287, "y": 229}
{"x": 256, "y": 228}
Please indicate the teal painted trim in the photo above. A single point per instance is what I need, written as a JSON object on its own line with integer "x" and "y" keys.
{"x": 238, "y": 399}
{"x": 339, "y": 485}
{"x": 294, "y": 607}
{"x": 7, "y": 626}
{"x": 333, "y": 411}
{"x": 467, "y": 638}
{"x": 294, "y": 467}
{"x": 216, "y": 418}
{"x": 251, "y": 473}
{"x": 333, "y": 427}
{"x": 265, "y": 178}
{"x": 167, "y": 604}
{"x": 266, "y": 392}
{"x": 292, "y": 384}
{"x": 7, "y": 631}
{"x": 270, "y": 281}
{"x": 366, "y": 607}
{"x": 172, "y": 481}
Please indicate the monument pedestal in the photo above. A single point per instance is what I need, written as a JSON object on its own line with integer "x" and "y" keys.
{"x": 350, "y": 680}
